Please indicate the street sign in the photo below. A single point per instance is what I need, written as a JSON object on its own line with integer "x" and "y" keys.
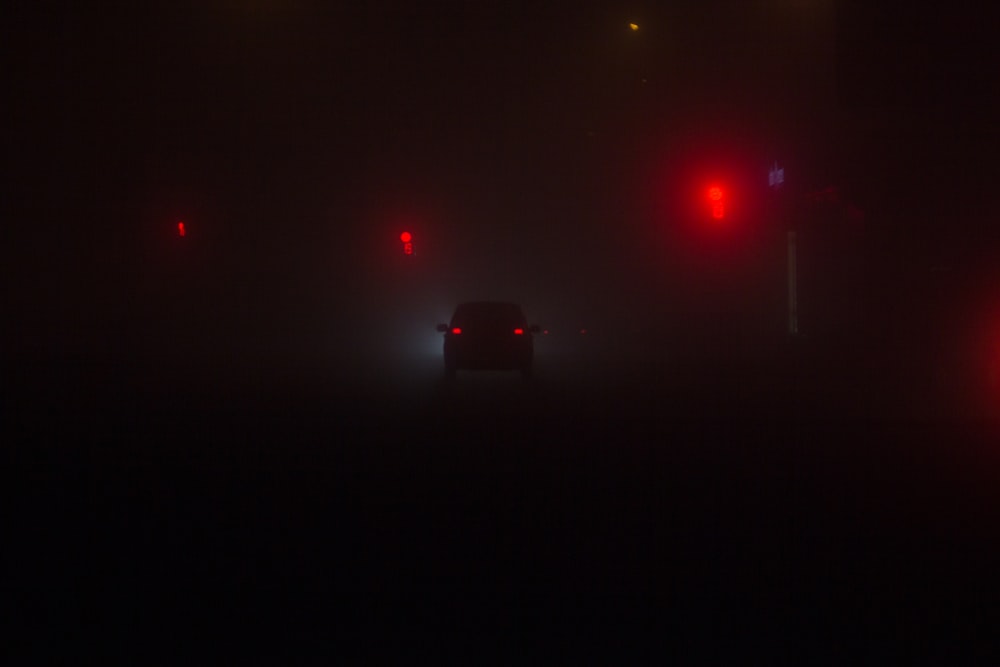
{"x": 776, "y": 176}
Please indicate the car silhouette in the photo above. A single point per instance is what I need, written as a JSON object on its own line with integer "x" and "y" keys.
{"x": 488, "y": 335}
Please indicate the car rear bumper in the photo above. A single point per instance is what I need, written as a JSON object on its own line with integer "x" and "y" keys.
{"x": 487, "y": 357}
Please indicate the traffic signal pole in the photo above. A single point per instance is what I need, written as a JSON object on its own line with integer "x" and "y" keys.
{"x": 793, "y": 288}
{"x": 775, "y": 180}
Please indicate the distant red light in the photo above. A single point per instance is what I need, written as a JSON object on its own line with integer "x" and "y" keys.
{"x": 518, "y": 332}
{"x": 406, "y": 237}
{"x": 180, "y": 229}
{"x": 456, "y": 331}
{"x": 715, "y": 197}
{"x": 583, "y": 332}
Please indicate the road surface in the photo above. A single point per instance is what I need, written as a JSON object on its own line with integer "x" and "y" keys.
{"x": 633, "y": 512}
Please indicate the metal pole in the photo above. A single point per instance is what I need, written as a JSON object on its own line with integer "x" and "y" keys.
{"x": 793, "y": 289}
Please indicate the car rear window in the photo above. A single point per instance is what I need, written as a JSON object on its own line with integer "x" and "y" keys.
{"x": 488, "y": 314}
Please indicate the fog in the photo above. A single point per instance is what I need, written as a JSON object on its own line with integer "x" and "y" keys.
{"x": 761, "y": 421}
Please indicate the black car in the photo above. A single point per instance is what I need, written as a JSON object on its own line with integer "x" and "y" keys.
{"x": 488, "y": 335}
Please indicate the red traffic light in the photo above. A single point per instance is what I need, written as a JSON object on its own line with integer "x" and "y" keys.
{"x": 407, "y": 239}
{"x": 715, "y": 198}
{"x": 180, "y": 229}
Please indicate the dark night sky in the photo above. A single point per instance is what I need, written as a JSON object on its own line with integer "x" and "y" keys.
{"x": 387, "y": 95}
{"x": 296, "y": 137}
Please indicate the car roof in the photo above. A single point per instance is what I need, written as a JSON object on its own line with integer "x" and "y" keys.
{"x": 489, "y": 305}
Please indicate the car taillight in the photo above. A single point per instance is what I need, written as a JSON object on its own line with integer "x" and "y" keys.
{"x": 456, "y": 331}
{"x": 518, "y": 332}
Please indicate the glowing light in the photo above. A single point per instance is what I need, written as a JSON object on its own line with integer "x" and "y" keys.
{"x": 715, "y": 196}
{"x": 633, "y": 26}
{"x": 456, "y": 331}
{"x": 518, "y": 332}
{"x": 180, "y": 229}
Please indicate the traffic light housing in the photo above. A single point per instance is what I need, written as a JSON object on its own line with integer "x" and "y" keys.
{"x": 717, "y": 203}
{"x": 407, "y": 239}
